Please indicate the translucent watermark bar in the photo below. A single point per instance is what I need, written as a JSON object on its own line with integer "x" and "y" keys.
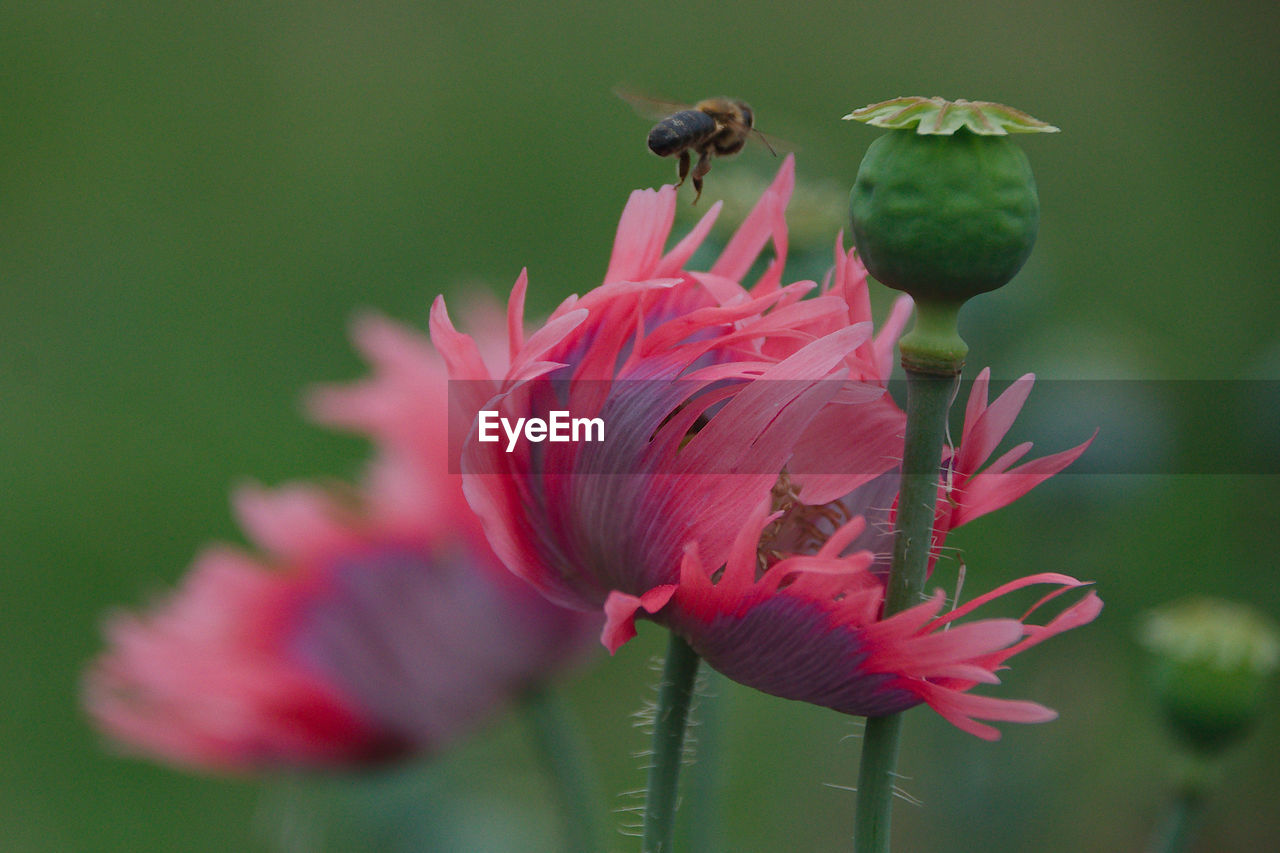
{"x": 1147, "y": 427}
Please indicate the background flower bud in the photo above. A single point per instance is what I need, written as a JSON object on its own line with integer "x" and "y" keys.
{"x": 1213, "y": 662}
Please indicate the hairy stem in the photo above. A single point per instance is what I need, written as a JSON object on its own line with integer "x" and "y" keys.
{"x": 674, "y": 696}
{"x": 701, "y": 830}
{"x": 928, "y": 400}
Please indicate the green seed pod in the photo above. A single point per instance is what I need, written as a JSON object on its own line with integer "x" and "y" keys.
{"x": 1212, "y": 664}
{"x": 944, "y": 208}
{"x": 944, "y": 217}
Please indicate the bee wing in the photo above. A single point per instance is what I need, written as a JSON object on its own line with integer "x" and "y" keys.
{"x": 653, "y": 108}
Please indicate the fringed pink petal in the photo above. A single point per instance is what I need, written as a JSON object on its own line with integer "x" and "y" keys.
{"x": 1009, "y": 458}
{"x": 986, "y": 493}
{"x": 1065, "y": 581}
{"x": 850, "y": 278}
{"x": 515, "y": 315}
{"x": 736, "y": 320}
{"x": 970, "y": 672}
{"x": 695, "y": 582}
{"x": 407, "y": 371}
{"x": 848, "y": 444}
{"x": 724, "y": 291}
{"x": 905, "y": 623}
{"x": 793, "y": 323}
{"x": 199, "y": 680}
{"x": 759, "y": 416}
{"x": 620, "y": 613}
{"x": 683, "y": 340}
{"x": 673, "y": 262}
{"x": 765, "y": 220}
{"x": 473, "y": 386}
{"x": 889, "y": 333}
{"x": 642, "y": 234}
{"x": 921, "y": 656}
{"x": 529, "y": 361}
{"x": 983, "y": 434}
{"x": 771, "y": 278}
{"x": 1081, "y": 613}
{"x": 399, "y": 408}
{"x": 977, "y": 403}
{"x": 963, "y": 710}
{"x": 809, "y": 568}
{"x": 292, "y": 522}
{"x": 842, "y": 537}
{"x": 753, "y": 433}
{"x": 783, "y": 639}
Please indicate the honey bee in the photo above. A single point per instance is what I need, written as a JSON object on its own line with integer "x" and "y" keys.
{"x": 714, "y": 127}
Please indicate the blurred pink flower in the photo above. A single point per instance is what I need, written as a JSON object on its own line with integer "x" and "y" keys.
{"x": 749, "y": 441}
{"x": 377, "y": 622}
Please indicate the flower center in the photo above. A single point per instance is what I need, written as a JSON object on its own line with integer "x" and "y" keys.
{"x": 801, "y": 528}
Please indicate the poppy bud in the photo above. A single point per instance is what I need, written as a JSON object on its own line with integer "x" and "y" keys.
{"x": 1213, "y": 661}
{"x": 944, "y": 208}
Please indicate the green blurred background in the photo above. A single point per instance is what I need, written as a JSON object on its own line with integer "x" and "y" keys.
{"x": 194, "y": 198}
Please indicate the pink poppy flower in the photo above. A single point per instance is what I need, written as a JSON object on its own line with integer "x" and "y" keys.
{"x": 749, "y": 441}
{"x": 376, "y": 623}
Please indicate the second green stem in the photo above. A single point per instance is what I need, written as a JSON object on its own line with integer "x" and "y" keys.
{"x": 928, "y": 402}
{"x": 556, "y": 737}
{"x": 674, "y": 697}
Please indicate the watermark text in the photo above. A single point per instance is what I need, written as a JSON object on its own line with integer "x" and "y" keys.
{"x": 557, "y": 427}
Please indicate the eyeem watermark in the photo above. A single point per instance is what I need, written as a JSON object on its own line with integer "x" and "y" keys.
{"x": 1144, "y": 427}
{"x": 558, "y": 427}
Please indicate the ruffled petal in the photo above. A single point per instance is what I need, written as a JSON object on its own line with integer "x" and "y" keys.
{"x": 620, "y": 613}
{"x": 765, "y": 221}
{"x": 642, "y": 234}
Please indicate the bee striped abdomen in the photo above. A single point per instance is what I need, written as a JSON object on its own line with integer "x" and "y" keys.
{"x": 685, "y": 129}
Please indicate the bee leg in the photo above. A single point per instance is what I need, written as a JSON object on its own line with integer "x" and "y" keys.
{"x": 684, "y": 167}
{"x": 699, "y": 172}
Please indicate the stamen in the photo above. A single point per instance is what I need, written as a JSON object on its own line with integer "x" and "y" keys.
{"x": 799, "y": 528}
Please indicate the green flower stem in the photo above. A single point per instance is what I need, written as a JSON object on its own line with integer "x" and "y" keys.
{"x": 555, "y": 735}
{"x": 1197, "y": 776}
{"x": 674, "y": 696}
{"x": 705, "y": 780}
{"x": 1179, "y": 822}
{"x": 875, "y": 784}
{"x": 928, "y": 400}
{"x": 934, "y": 345}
